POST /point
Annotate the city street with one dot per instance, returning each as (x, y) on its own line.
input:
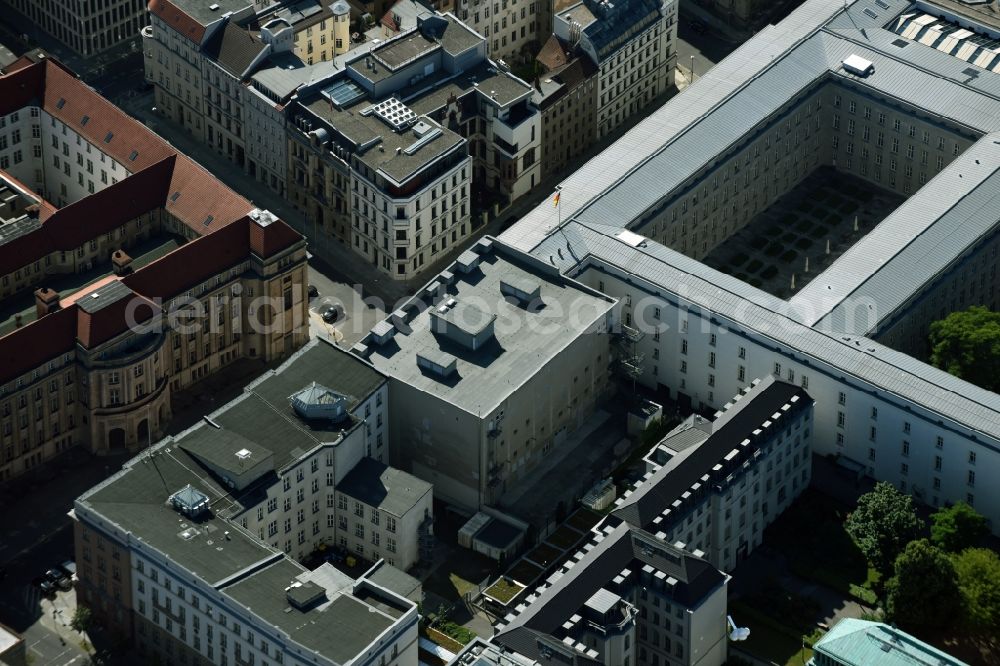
(42, 621)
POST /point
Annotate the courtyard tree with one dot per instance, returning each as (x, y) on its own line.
(81, 619)
(957, 527)
(924, 590)
(967, 344)
(882, 524)
(978, 572)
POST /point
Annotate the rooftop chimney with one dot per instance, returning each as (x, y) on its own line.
(46, 301)
(122, 262)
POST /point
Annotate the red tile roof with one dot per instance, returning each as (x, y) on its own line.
(40, 341)
(173, 16)
(202, 195)
(95, 328)
(161, 179)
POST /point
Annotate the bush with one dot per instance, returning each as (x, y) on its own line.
(81, 619)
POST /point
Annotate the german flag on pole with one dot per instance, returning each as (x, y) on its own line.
(555, 199)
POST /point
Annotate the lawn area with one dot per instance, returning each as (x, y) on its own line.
(544, 555)
(583, 519)
(525, 572)
(564, 538)
(811, 535)
(503, 591)
(769, 639)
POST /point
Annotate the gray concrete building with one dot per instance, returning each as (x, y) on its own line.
(491, 367)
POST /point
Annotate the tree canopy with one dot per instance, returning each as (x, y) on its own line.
(957, 527)
(978, 572)
(924, 590)
(882, 524)
(967, 344)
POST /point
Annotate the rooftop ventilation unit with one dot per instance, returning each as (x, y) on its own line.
(858, 66)
(523, 289)
(437, 363)
(464, 324)
(189, 501)
(303, 595)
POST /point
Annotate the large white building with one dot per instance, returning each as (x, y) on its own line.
(831, 85)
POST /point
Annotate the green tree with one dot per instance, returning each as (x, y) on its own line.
(924, 590)
(978, 571)
(967, 344)
(882, 524)
(957, 527)
(81, 619)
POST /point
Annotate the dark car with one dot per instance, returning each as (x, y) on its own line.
(331, 314)
(313, 291)
(45, 585)
(58, 578)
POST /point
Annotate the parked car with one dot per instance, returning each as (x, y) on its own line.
(58, 578)
(69, 567)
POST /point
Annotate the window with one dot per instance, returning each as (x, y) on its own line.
(842, 398)
(972, 457)
(971, 481)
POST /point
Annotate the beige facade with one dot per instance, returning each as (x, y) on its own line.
(467, 419)
(88, 28)
(514, 29)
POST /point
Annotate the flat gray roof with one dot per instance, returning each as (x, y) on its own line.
(135, 499)
(361, 130)
(524, 341)
(623, 184)
(340, 627)
(385, 488)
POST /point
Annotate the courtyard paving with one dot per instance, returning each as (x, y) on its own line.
(804, 231)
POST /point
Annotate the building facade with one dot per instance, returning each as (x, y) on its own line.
(567, 98)
(472, 366)
(258, 485)
(86, 28)
(714, 486)
(111, 354)
(391, 155)
(627, 598)
(514, 29)
(878, 410)
(633, 46)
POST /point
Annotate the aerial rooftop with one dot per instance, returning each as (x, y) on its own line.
(690, 133)
(385, 488)
(525, 338)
